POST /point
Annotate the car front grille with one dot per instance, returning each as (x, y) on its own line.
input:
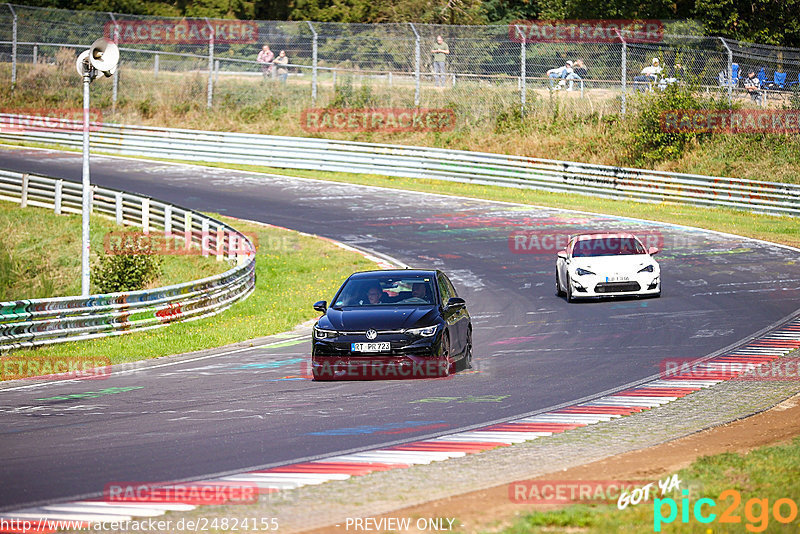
(617, 287)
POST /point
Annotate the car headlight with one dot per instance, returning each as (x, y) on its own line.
(648, 269)
(582, 272)
(428, 331)
(320, 333)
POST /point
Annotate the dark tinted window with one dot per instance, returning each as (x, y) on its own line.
(386, 290)
(607, 246)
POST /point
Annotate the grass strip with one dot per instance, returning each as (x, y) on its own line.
(40, 254)
(747, 486)
(292, 272)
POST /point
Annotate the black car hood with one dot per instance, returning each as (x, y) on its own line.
(379, 318)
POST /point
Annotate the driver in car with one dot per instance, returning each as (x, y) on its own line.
(374, 294)
(420, 291)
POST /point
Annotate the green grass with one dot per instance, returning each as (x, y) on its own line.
(40, 254)
(770, 473)
(292, 272)
(555, 126)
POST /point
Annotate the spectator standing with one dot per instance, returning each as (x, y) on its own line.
(440, 53)
(265, 57)
(282, 60)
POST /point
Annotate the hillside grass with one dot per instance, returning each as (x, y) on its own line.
(558, 125)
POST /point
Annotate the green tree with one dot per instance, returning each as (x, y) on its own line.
(759, 21)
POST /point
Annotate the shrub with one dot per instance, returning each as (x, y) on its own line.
(650, 144)
(129, 266)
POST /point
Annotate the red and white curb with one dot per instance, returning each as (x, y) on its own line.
(769, 347)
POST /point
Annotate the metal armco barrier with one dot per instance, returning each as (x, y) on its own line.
(29, 323)
(416, 162)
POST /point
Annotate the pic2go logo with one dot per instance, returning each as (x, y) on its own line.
(756, 511)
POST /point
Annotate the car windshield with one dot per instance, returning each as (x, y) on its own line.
(607, 246)
(386, 291)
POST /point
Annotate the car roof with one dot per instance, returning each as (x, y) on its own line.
(394, 272)
(601, 235)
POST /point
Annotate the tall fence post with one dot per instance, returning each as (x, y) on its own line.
(156, 61)
(730, 71)
(313, 65)
(416, 64)
(35, 54)
(13, 46)
(115, 81)
(623, 73)
(523, 73)
(210, 64)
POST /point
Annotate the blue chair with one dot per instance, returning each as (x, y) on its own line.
(723, 76)
(762, 77)
(778, 82)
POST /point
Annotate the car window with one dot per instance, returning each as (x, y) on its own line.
(607, 246)
(444, 290)
(386, 290)
(450, 286)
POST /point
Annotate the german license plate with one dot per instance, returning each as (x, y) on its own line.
(617, 278)
(383, 346)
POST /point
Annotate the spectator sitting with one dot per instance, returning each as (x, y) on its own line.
(578, 73)
(675, 74)
(648, 76)
(559, 73)
(752, 85)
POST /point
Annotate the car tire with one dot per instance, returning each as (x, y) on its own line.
(570, 298)
(447, 364)
(466, 362)
(559, 291)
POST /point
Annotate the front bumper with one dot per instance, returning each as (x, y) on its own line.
(593, 286)
(421, 358)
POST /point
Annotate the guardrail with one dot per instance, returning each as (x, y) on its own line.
(29, 323)
(415, 162)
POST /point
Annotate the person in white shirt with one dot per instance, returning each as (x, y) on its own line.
(648, 76)
(559, 73)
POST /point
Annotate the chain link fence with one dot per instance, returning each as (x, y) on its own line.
(489, 69)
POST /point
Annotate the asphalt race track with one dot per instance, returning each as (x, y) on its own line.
(252, 408)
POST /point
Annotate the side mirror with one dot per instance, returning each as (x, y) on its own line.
(653, 250)
(456, 303)
(562, 254)
(321, 306)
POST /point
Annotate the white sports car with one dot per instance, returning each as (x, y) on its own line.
(602, 265)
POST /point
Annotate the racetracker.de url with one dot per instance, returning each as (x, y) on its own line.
(200, 524)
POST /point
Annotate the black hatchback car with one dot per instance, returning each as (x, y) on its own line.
(392, 324)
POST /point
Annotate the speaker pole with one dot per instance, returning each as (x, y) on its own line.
(87, 188)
